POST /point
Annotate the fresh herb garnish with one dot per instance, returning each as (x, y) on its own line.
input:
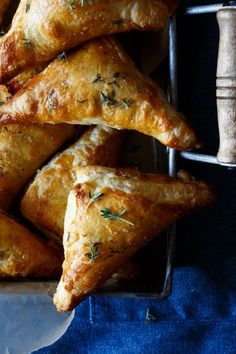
(82, 2)
(127, 103)
(114, 79)
(107, 100)
(51, 101)
(95, 197)
(107, 214)
(27, 7)
(71, 3)
(27, 43)
(149, 317)
(62, 56)
(98, 78)
(94, 250)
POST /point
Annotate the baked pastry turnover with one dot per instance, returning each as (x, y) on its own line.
(23, 254)
(128, 209)
(23, 149)
(44, 203)
(99, 84)
(43, 28)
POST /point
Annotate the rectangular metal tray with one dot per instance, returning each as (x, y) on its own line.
(156, 259)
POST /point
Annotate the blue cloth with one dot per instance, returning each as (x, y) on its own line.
(200, 315)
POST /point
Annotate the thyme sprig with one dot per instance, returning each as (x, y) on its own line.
(82, 2)
(62, 56)
(107, 100)
(27, 7)
(71, 3)
(149, 317)
(27, 43)
(114, 79)
(98, 78)
(94, 250)
(127, 103)
(51, 101)
(93, 198)
(107, 214)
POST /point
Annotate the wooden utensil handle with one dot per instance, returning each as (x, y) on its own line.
(226, 85)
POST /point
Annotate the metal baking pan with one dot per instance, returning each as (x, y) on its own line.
(156, 259)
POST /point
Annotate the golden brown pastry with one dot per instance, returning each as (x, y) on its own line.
(23, 149)
(99, 84)
(44, 203)
(3, 6)
(21, 79)
(23, 254)
(132, 208)
(41, 29)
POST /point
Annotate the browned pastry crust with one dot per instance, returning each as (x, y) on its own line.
(3, 6)
(96, 246)
(21, 79)
(44, 203)
(23, 254)
(23, 149)
(99, 84)
(43, 28)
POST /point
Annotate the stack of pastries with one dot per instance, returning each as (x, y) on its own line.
(62, 67)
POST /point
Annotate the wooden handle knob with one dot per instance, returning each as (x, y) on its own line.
(226, 85)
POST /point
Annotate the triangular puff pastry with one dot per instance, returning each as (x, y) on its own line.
(23, 254)
(99, 84)
(23, 149)
(44, 203)
(130, 209)
(42, 28)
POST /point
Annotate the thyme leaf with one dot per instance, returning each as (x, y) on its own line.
(71, 3)
(82, 2)
(127, 103)
(95, 197)
(114, 79)
(98, 78)
(107, 100)
(107, 214)
(94, 251)
(62, 56)
(149, 317)
(27, 7)
(27, 43)
(51, 101)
